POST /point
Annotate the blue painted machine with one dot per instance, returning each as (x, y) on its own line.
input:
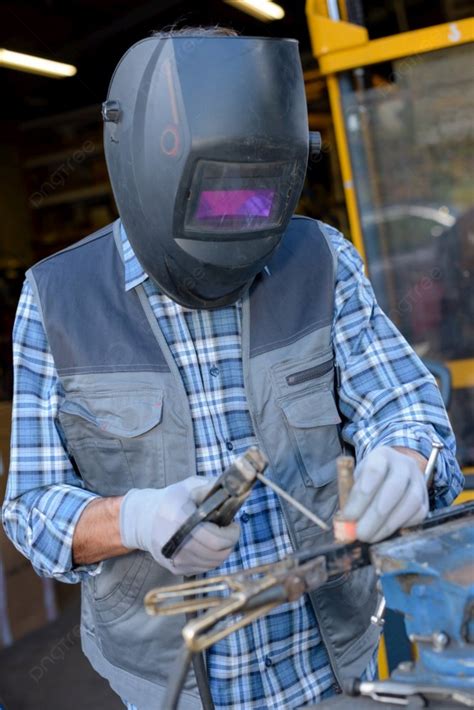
(428, 576)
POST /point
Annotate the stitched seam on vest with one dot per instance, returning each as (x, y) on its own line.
(104, 232)
(288, 341)
(90, 369)
(118, 239)
(335, 256)
(326, 320)
(43, 276)
(34, 287)
(369, 634)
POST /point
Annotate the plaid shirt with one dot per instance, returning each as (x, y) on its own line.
(385, 396)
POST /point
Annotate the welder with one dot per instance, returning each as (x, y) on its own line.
(205, 320)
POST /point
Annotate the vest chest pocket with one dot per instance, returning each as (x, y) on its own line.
(312, 420)
(115, 439)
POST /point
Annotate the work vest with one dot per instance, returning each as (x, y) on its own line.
(127, 424)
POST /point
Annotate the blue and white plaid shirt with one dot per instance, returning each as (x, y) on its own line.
(385, 396)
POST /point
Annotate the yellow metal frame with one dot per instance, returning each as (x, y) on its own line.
(345, 164)
(330, 38)
(341, 46)
(382, 660)
(462, 373)
(465, 496)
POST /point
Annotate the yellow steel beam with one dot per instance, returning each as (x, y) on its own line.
(462, 373)
(340, 46)
(343, 10)
(464, 497)
(383, 669)
(345, 163)
(328, 36)
(319, 7)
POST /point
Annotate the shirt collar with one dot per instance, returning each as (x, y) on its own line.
(134, 273)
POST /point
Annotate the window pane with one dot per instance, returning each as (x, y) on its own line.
(411, 133)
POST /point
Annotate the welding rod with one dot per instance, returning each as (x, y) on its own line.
(289, 499)
(431, 465)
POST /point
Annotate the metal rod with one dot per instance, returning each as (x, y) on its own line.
(333, 10)
(377, 618)
(431, 465)
(385, 691)
(345, 478)
(177, 678)
(204, 588)
(296, 504)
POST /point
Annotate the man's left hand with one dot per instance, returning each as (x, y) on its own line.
(389, 493)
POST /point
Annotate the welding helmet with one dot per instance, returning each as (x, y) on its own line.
(206, 143)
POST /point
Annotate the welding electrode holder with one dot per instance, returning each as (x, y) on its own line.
(224, 499)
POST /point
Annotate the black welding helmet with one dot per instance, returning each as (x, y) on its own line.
(206, 142)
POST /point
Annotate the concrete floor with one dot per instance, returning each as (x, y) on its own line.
(46, 670)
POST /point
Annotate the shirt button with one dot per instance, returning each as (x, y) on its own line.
(268, 662)
(229, 445)
(245, 517)
(214, 371)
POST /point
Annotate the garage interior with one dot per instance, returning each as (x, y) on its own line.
(55, 191)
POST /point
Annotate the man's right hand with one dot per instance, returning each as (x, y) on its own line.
(149, 517)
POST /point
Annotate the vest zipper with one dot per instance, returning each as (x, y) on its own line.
(310, 373)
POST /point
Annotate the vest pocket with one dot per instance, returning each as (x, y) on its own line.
(143, 645)
(119, 585)
(115, 440)
(312, 420)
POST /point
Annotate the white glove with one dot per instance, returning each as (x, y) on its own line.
(149, 517)
(389, 493)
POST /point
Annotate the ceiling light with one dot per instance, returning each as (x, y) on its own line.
(261, 9)
(35, 65)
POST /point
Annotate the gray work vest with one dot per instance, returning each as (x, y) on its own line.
(126, 423)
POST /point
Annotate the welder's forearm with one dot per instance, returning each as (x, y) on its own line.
(97, 532)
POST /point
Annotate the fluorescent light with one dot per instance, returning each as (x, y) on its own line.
(35, 65)
(261, 9)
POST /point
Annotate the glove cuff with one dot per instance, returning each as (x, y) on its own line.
(137, 512)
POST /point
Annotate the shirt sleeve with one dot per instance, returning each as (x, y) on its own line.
(45, 496)
(386, 394)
